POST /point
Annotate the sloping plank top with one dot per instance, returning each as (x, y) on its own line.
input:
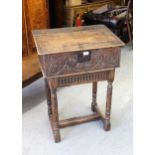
(51, 41)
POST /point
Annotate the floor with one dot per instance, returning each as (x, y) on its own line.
(83, 139)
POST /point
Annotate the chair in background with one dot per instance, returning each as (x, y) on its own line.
(117, 18)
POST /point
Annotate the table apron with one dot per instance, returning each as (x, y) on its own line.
(81, 79)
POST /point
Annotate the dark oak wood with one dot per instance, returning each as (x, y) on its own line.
(94, 92)
(55, 117)
(68, 63)
(107, 124)
(78, 120)
(82, 78)
(48, 96)
(71, 56)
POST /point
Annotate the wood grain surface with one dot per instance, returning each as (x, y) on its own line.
(77, 55)
(51, 41)
(68, 63)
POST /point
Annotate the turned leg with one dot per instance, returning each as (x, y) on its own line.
(94, 96)
(48, 96)
(108, 107)
(55, 116)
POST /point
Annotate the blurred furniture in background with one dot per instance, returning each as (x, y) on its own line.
(71, 12)
(35, 15)
(56, 11)
(73, 2)
(117, 18)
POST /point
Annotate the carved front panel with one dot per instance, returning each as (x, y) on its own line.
(83, 78)
(68, 63)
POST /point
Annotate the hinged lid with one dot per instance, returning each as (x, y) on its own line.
(52, 41)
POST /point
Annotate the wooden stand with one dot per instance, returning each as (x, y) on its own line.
(51, 87)
(77, 55)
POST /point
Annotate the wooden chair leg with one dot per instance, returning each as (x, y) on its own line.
(94, 96)
(107, 124)
(48, 96)
(55, 116)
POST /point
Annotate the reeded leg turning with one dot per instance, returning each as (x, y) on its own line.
(107, 124)
(55, 116)
(94, 96)
(48, 96)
